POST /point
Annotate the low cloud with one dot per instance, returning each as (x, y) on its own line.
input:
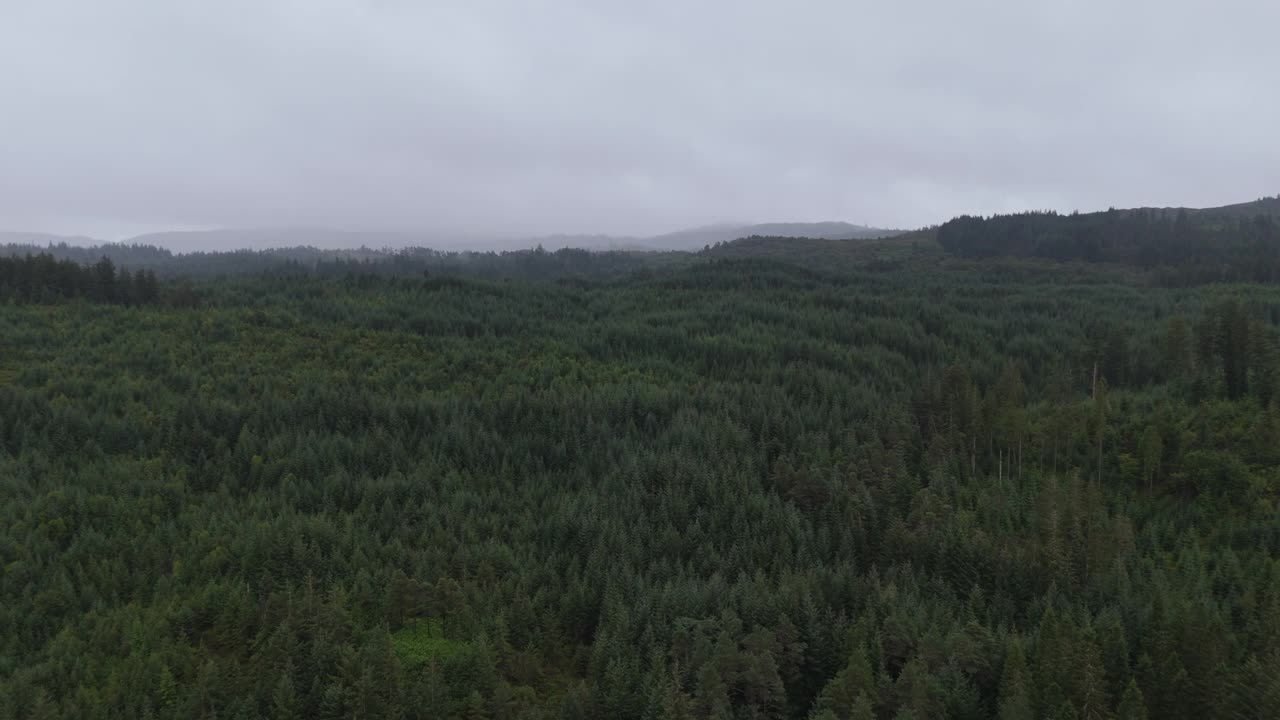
(630, 118)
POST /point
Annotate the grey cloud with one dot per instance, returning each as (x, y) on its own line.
(524, 117)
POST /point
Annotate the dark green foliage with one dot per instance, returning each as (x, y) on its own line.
(566, 264)
(1015, 686)
(44, 279)
(1132, 706)
(730, 487)
(1185, 246)
(423, 640)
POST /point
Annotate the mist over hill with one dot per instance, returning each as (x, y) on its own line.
(1145, 235)
(230, 239)
(697, 238)
(39, 239)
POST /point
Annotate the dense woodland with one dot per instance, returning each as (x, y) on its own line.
(853, 481)
(43, 278)
(535, 264)
(1188, 247)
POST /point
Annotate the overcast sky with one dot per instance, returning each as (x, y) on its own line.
(580, 116)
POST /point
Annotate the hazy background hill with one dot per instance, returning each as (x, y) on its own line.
(1267, 206)
(1262, 207)
(37, 239)
(189, 241)
(697, 238)
(1220, 244)
(231, 239)
(686, 240)
(1231, 241)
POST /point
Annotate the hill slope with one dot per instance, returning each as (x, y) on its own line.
(37, 239)
(1232, 242)
(686, 240)
(274, 238)
(697, 238)
(1267, 207)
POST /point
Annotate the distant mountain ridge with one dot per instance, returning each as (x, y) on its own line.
(189, 241)
(697, 238)
(1262, 207)
(688, 240)
(691, 239)
(1267, 206)
(46, 239)
(1231, 243)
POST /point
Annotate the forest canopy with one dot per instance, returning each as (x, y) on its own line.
(770, 480)
(1239, 243)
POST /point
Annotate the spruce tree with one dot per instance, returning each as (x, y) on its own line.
(1132, 706)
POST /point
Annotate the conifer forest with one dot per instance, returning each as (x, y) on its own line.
(1015, 467)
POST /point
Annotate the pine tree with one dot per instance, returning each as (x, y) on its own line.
(712, 699)
(284, 699)
(1179, 359)
(146, 290)
(1010, 418)
(577, 703)
(676, 704)
(476, 707)
(1150, 450)
(333, 704)
(919, 691)
(1115, 652)
(1100, 408)
(1233, 346)
(168, 691)
(431, 695)
(1132, 706)
(1090, 686)
(862, 709)
(1264, 361)
(124, 287)
(855, 680)
(104, 280)
(1065, 711)
(1015, 695)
